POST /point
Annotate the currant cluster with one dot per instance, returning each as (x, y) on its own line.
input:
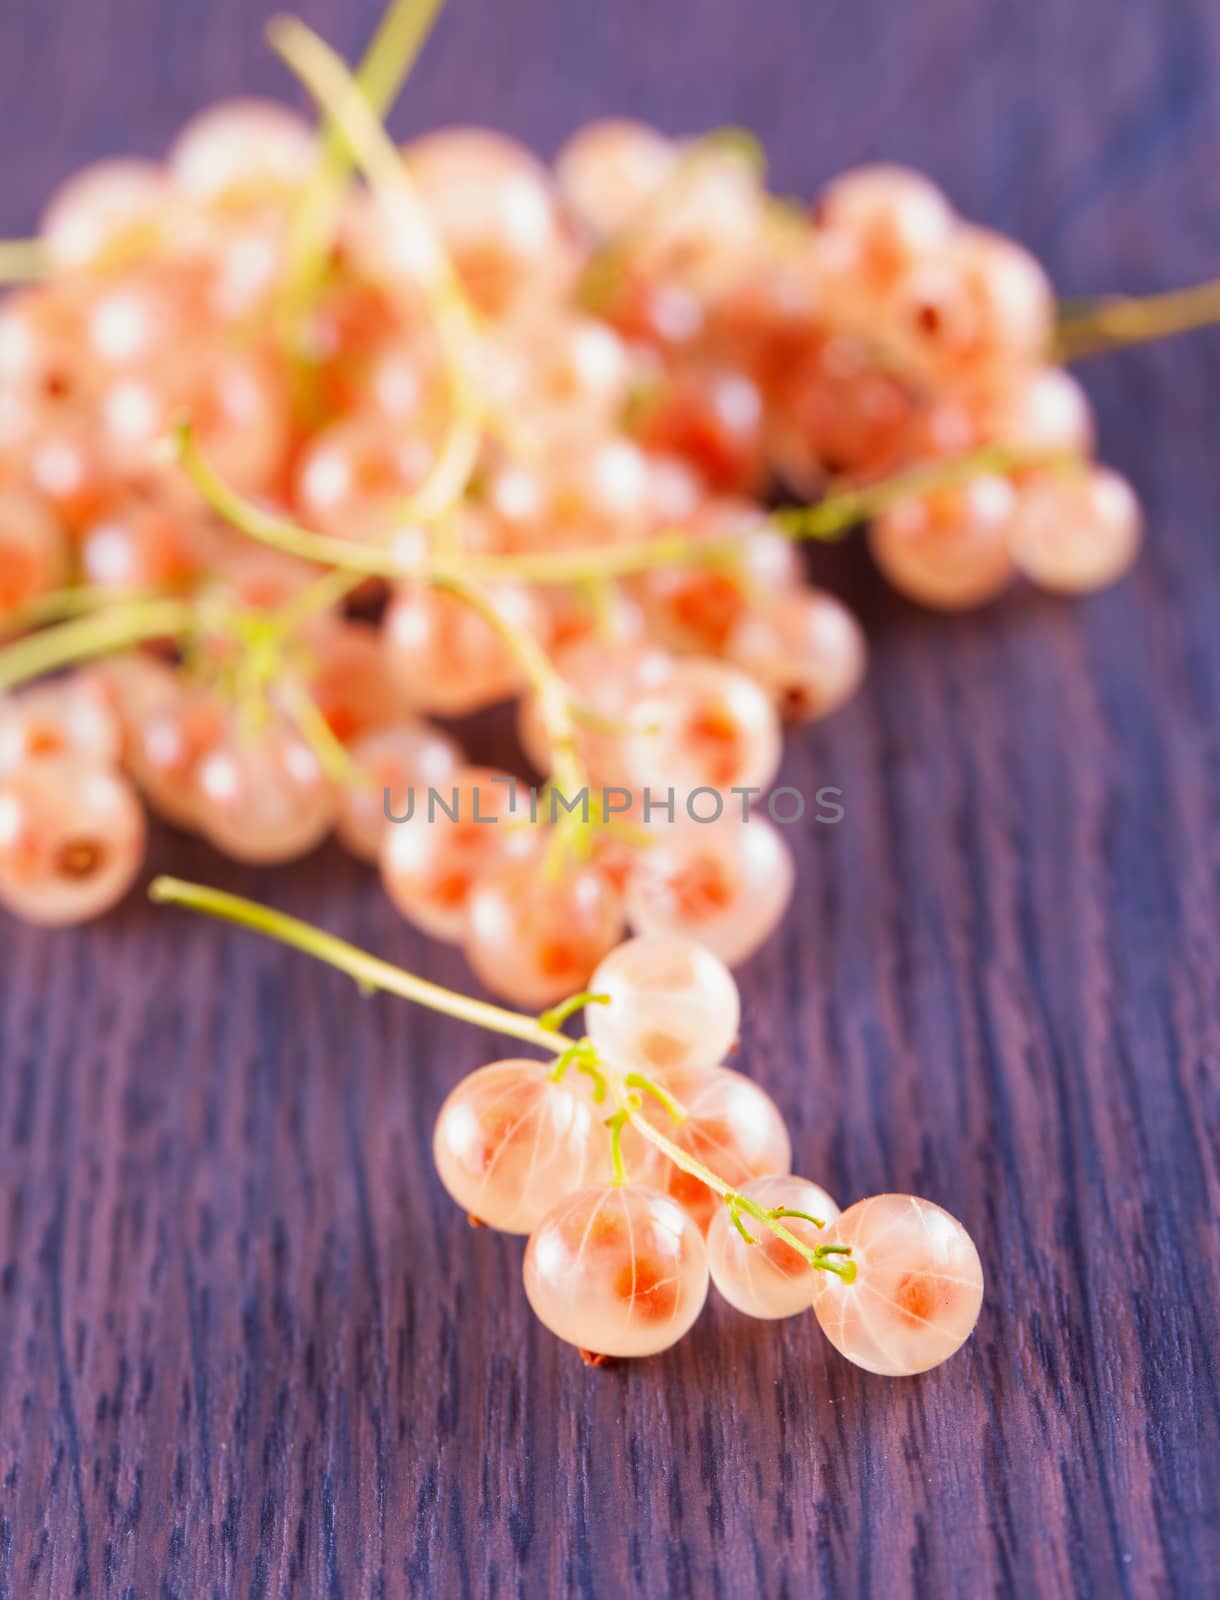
(292, 466)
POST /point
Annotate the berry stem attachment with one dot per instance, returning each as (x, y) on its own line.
(616, 1124)
(735, 1219)
(559, 1014)
(637, 1080)
(370, 973)
(86, 637)
(1130, 320)
(787, 1211)
(582, 1056)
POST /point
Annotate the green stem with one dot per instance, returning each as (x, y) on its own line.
(385, 67)
(787, 1211)
(637, 1080)
(1129, 321)
(77, 600)
(839, 513)
(326, 76)
(86, 637)
(370, 973)
(583, 1057)
(558, 1015)
(616, 1123)
(22, 261)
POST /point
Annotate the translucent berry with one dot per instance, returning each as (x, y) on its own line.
(263, 798)
(707, 726)
(979, 300)
(33, 551)
(72, 839)
(351, 685)
(805, 649)
(731, 1126)
(694, 609)
(443, 840)
(617, 1271)
(388, 763)
(712, 417)
(949, 550)
(534, 935)
(886, 217)
(1077, 533)
(444, 657)
(607, 170)
(672, 1004)
(841, 414)
(917, 1289)
(510, 1143)
(769, 1278)
(166, 745)
(108, 212)
(725, 884)
(354, 477)
(491, 202)
(71, 717)
(142, 545)
(243, 151)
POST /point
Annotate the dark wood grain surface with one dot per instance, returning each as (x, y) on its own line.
(248, 1347)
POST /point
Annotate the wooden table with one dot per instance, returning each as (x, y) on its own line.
(248, 1347)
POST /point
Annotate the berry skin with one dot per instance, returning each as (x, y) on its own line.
(243, 152)
(510, 1143)
(532, 937)
(731, 1126)
(725, 884)
(432, 858)
(713, 418)
(109, 212)
(265, 799)
(444, 657)
(949, 551)
(351, 685)
(883, 218)
(1075, 534)
(917, 1291)
(409, 753)
(806, 650)
(492, 205)
(976, 304)
(769, 1278)
(72, 839)
(707, 726)
(672, 1004)
(607, 169)
(33, 551)
(619, 1271)
(354, 476)
(693, 610)
(166, 746)
(73, 717)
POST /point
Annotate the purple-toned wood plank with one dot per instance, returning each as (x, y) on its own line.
(246, 1344)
